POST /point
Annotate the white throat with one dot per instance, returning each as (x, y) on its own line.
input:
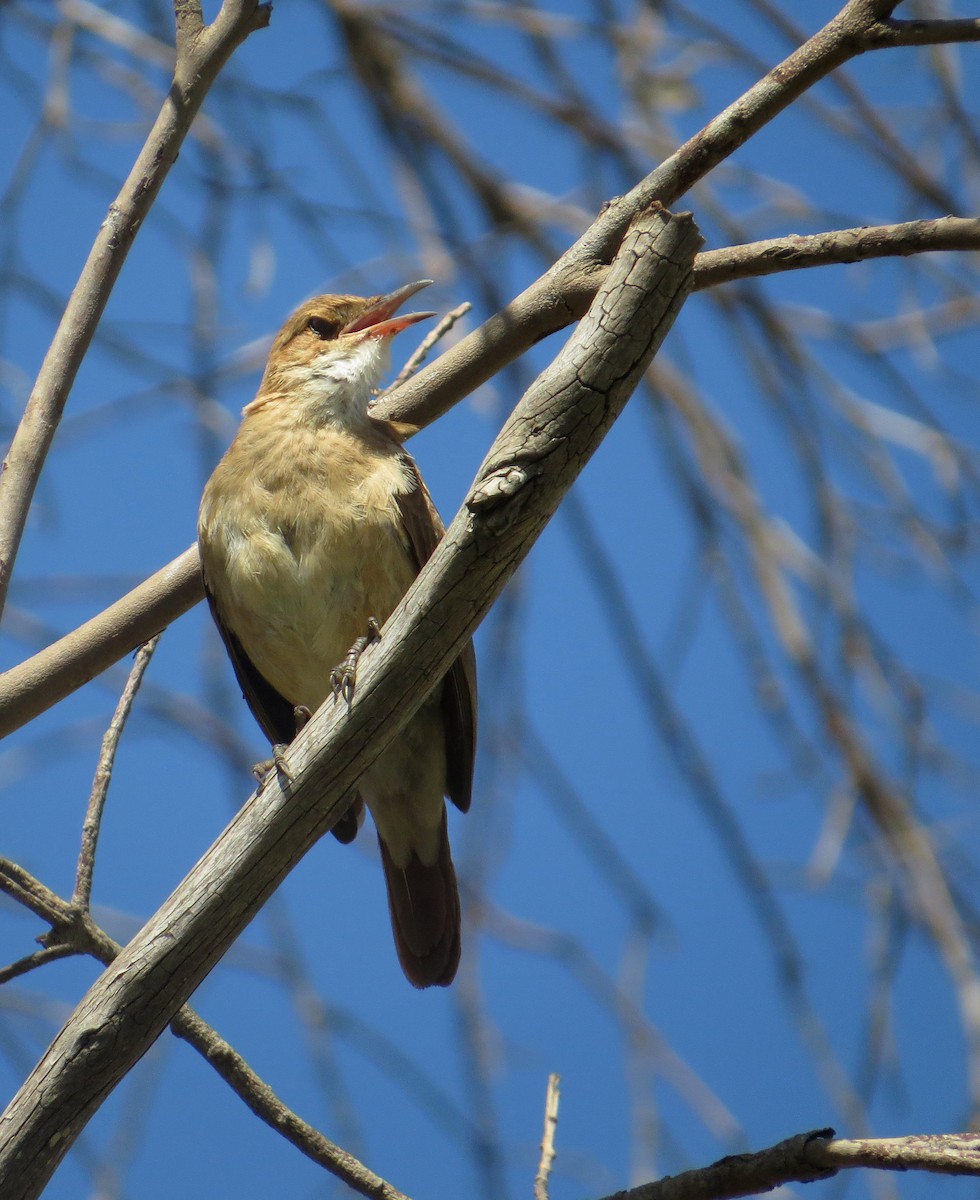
(337, 387)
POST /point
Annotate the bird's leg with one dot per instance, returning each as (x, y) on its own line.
(262, 770)
(343, 676)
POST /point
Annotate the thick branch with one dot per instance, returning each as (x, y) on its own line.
(74, 932)
(202, 52)
(58, 670)
(811, 1156)
(541, 450)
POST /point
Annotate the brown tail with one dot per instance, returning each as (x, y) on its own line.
(424, 906)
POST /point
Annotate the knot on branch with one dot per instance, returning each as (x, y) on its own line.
(493, 498)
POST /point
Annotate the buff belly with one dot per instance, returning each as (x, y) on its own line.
(297, 611)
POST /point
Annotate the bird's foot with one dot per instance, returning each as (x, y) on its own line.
(344, 675)
(262, 770)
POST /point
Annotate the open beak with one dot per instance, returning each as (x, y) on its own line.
(378, 320)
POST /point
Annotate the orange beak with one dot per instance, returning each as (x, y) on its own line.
(378, 320)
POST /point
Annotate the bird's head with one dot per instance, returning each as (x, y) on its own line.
(332, 352)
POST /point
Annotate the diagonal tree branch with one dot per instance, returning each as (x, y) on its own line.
(36, 684)
(74, 932)
(794, 252)
(537, 456)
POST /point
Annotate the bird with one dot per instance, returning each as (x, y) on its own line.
(311, 529)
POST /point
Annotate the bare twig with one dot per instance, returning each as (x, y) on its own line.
(547, 1161)
(20, 885)
(266, 1105)
(30, 962)
(103, 774)
(431, 338)
(201, 53)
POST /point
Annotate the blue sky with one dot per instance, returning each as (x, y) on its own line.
(396, 1076)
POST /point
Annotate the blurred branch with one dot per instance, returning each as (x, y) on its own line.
(202, 50)
(533, 462)
(931, 900)
(569, 952)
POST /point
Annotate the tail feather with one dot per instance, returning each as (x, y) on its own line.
(424, 906)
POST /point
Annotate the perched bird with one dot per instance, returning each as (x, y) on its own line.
(312, 528)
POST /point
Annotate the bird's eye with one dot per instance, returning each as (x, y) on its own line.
(323, 328)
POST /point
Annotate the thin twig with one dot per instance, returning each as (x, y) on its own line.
(427, 343)
(81, 899)
(20, 885)
(547, 1161)
(266, 1105)
(30, 962)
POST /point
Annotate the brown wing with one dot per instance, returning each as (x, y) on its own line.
(272, 710)
(424, 528)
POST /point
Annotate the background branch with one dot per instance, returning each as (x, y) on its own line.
(202, 52)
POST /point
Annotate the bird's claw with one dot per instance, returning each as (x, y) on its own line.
(344, 675)
(262, 770)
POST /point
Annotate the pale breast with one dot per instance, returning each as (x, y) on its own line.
(300, 558)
